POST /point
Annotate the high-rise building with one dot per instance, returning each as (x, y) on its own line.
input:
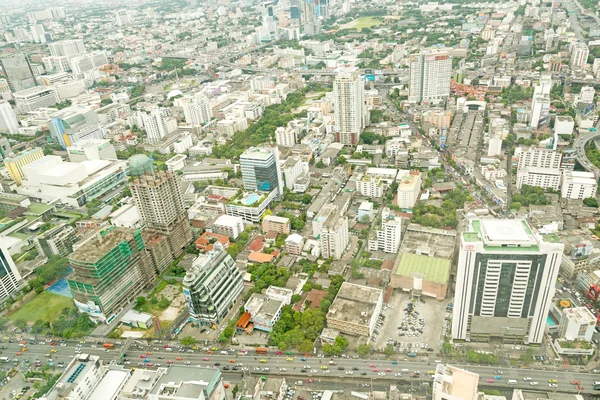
(31, 99)
(540, 111)
(211, 287)
(159, 199)
(18, 72)
(10, 279)
(74, 124)
(261, 170)
(579, 56)
(505, 281)
(58, 240)
(539, 167)
(286, 136)
(16, 163)
(333, 236)
(155, 126)
(109, 271)
(68, 48)
(586, 95)
(430, 74)
(197, 110)
(409, 189)
(8, 119)
(350, 109)
(578, 185)
(388, 237)
(452, 383)
(38, 33)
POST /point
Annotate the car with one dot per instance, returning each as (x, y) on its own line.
(205, 358)
(575, 383)
(533, 383)
(263, 361)
(374, 370)
(169, 361)
(217, 364)
(232, 361)
(552, 385)
(579, 387)
(303, 370)
(354, 368)
(388, 370)
(53, 351)
(381, 374)
(324, 367)
(372, 365)
(349, 373)
(309, 380)
(282, 369)
(498, 377)
(289, 359)
(527, 379)
(552, 381)
(187, 363)
(490, 380)
(398, 374)
(226, 368)
(179, 358)
(363, 373)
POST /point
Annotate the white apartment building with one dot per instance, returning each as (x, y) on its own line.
(67, 48)
(388, 237)
(576, 324)
(430, 74)
(540, 111)
(409, 189)
(88, 62)
(294, 244)
(332, 230)
(505, 281)
(8, 119)
(452, 383)
(10, 279)
(578, 185)
(197, 110)
(579, 56)
(92, 149)
(586, 95)
(228, 225)
(36, 97)
(56, 63)
(292, 169)
(79, 379)
(155, 126)
(286, 136)
(370, 186)
(564, 125)
(539, 167)
(350, 109)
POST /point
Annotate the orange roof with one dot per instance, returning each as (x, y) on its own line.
(257, 244)
(204, 241)
(256, 256)
(244, 320)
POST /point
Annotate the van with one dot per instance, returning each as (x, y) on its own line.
(224, 353)
(512, 382)
(168, 349)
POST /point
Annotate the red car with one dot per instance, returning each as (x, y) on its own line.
(205, 359)
(38, 364)
(148, 364)
(372, 365)
(374, 370)
(52, 343)
(279, 353)
(142, 356)
(388, 370)
(415, 375)
(490, 380)
(310, 380)
(166, 346)
(575, 383)
(169, 361)
(579, 387)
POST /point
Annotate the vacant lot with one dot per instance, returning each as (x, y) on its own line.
(361, 23)
(45, 306)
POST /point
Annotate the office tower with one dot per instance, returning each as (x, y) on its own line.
(18, 72)
(430, 74)
(109, 272)
(74, 124)
(579, 56)
(578, 185)
(67, 48)
(92, 149)
(197, 110)
(159, 198)
(505, 281)
(16, 163)
(539, 167)
(261, 170)
(350, 109)
(10, 278)
(388, 237)
(540, 111)
(8, 119)
(38, 33)
(154, 125)
(409, 189)
(211, 287)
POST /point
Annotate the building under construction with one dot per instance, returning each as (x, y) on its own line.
(109, 271)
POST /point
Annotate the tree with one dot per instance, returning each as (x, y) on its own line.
(235, 391)
(21, 324)
(320, 164)
(591, 202)
(140, 301)
(306, 199)
(364, 219)
(389, 350)
(188, 341)
(515, 205)
(363, 349)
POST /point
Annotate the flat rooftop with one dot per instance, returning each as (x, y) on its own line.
(189, 382)
(459, 383)
(359, 293)
(98, 247)
(432, 241)
(435, 269)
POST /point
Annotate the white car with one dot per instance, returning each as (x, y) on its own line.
(266, 369)
(282, 369)
(349, 373)
(527, 379)
(314, 371)
(381, 374)
(553, 385)
(397, 374)
(533, 383)
(365, 385)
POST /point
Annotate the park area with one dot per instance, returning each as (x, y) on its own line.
(361, 23)
(45, 306)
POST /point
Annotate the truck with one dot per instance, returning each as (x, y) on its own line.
(108, 346)
(261, 350)
(411, 354)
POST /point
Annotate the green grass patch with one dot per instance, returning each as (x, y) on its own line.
(362, 22)
(45, 306)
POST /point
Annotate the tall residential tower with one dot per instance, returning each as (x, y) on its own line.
(350, 110)
(261, 170)
(430, 74)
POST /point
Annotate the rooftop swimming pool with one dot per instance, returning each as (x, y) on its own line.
(250, 199)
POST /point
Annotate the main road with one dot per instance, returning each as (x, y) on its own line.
(351, 370)
(579, 146)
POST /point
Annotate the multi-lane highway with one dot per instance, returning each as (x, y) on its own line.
(352, 370)
(579, 146)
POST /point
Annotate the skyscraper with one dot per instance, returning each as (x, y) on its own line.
(261, 170)
(212, 285)
(350, 109)
(197, 110)
(579, 56)
(430, 74)
(10, 279)
(109, 272)
(505, 281)
(8, 119)
(67, 48)
(18, 72)
(154, 125)
(159, 198)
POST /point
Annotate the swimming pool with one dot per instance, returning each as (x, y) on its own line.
(250, 199)
(61, 287)
(550, 322)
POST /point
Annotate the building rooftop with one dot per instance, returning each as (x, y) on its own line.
(435, 269)
(182, 382)
(430, 241)
(359, 293)
(109, 385)
(99, 246)
(459, 383)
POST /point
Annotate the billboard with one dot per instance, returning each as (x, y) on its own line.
(593, 292)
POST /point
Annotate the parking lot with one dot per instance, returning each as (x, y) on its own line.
(421, 329)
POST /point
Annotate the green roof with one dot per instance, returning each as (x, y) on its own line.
(550, 238)
(470, 237)
(476, 237)
(435, 269)
(39, 208)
